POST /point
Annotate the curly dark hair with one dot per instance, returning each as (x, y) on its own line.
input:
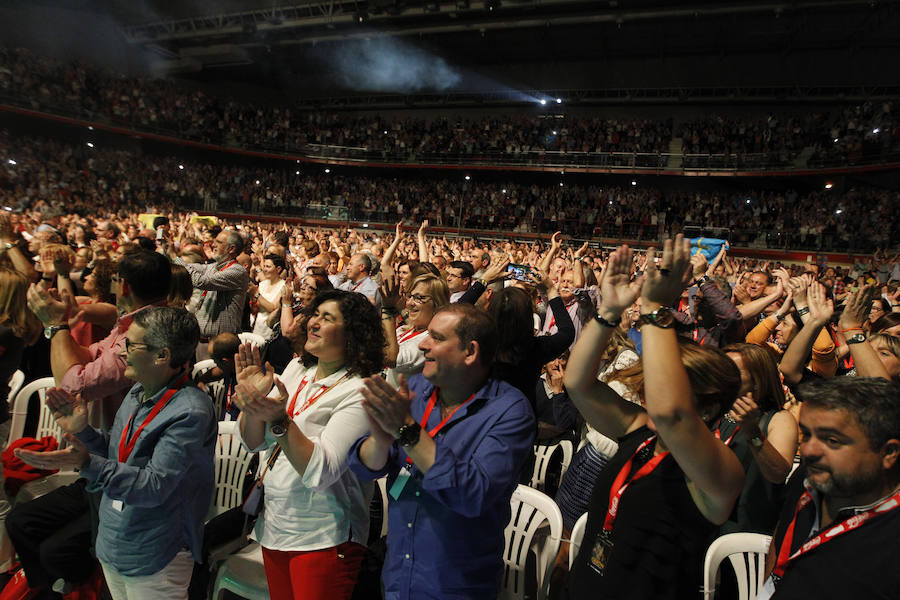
(363, 336)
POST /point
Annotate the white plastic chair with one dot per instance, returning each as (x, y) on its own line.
(243, 573)
(577, 537)
(532, 511)
(15, 384)
(543, 455)
(214, 389)
(232, 461)
(19, 412)
(747, 553)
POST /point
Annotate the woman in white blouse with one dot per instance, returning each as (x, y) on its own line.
(316, 516)
(268, 294)
(426, 295)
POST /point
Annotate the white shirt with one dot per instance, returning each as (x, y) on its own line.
(272, 293)
(410, 360)
(326, 505)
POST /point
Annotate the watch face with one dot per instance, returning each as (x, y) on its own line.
(856, 339)
(664, 317)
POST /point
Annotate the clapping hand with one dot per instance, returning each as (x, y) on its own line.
(386, 407)
(68, 411)
(250, 371)
(75, 456)
(259, 405)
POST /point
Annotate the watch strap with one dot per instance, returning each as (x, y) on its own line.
(408, 434)
(611, 324)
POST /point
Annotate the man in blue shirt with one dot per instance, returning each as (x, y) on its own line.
(154, 467)
(452, 444)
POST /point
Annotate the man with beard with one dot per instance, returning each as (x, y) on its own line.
(838, 532)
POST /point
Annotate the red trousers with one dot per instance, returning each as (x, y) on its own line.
(328, 574)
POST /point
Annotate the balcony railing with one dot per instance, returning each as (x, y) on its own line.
(534, 160)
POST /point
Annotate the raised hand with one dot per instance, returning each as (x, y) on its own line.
(48, 309)
(800, 285)
(497, 271)
(699, 266)
(665, 283)
(857, 307)
(745, 412)
(617, 290)
(391, 292)
(821, 307)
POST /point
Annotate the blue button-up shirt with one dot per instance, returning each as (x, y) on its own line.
(154, 504)
(445, 530)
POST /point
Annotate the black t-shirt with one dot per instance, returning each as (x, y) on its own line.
(658, 540)
(862, 563)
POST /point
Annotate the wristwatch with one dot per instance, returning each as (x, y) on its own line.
(856, 338)
(703, 279)
(408, 434)
(662, 317)
(280, 427)
(611, 324)
(50, 330)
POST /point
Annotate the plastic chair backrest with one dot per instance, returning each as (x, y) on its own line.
(15, 384)
(543, 455)
(532, 512)
(232, 461)
(19, 412)
(577, 537)
(747, 553)
(215, 389)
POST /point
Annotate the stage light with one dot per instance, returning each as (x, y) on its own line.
(468, 178)
(297, 173)
(90, 144)
(327, 171)
(633, 182)
(560, 184)
(838, 211)
(12, 162)
(543, 101)
(257, 182)
(876, 130)
(559, 100)
(181, 167)
(554, 133)
(504, 190)
(835, 140)
(829, 185)
(90, 128)
(366, 225)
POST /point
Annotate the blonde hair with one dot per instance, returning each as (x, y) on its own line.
(437, 289)
(13, 307)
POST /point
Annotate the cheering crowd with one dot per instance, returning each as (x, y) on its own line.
(837, 136)
(61, 177)
(706, 393)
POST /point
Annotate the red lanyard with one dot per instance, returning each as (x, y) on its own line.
(126, 444)
(356, 287)
(696, 334)
(429, 408)
(309, 401)
(854, 522)
(410, 335)
(625, 478)
(203, 295)
(727, 442)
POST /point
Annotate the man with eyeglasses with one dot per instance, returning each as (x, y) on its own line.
(52, 534)
(154, 469)
(459, 278)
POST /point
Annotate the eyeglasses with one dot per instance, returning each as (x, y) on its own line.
(419, 298)
(129, 345)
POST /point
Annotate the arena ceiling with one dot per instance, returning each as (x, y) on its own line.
(286, 44)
